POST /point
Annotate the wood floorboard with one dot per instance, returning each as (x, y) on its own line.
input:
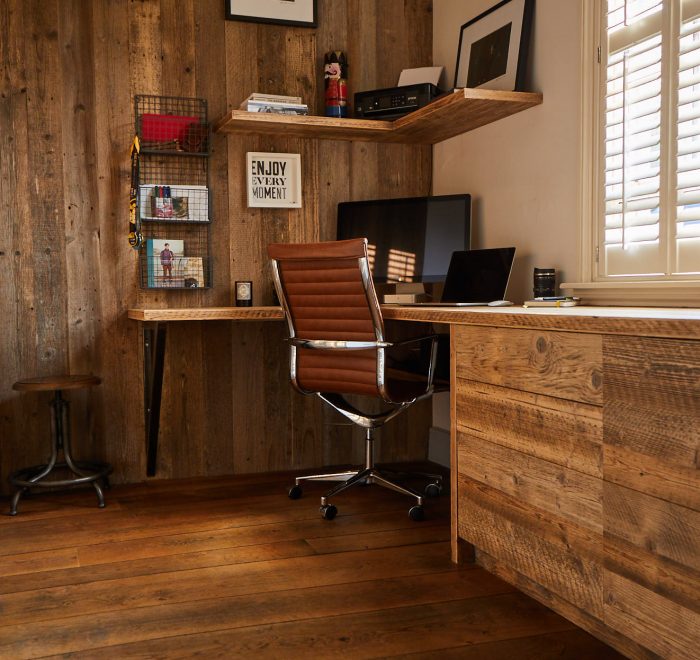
(141, 590)
(360, 635)
(231, 567)
(241, 612)
(352, 532)
(181, 515)
(570, 644)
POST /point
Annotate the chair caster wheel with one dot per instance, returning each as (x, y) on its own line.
(294, 492)
(416, 513)
(328, 511)
(433, 490)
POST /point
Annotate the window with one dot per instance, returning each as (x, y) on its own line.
(645, 135)
(630, 240)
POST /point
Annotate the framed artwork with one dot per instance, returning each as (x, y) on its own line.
(274, 180)
(492, 51)
(282, 12)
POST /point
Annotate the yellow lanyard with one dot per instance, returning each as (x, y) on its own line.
(135, 237)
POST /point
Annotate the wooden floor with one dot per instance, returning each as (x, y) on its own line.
(231, 568)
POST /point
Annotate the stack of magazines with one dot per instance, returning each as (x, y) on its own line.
(282, 105)
(553, 301)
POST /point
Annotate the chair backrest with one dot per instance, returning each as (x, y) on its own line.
(327, 293)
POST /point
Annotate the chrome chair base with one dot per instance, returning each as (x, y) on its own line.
(370, 474)
(333, 476)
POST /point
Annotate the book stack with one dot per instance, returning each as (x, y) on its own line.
(276, 104)
(167, 202)
(553, 301)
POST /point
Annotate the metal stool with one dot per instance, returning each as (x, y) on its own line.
(85, 472)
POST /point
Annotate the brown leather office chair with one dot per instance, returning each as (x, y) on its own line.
(338, 347)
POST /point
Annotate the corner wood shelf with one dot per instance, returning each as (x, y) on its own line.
(447, 116)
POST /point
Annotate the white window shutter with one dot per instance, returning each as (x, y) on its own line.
(687, 226)
(630, 233)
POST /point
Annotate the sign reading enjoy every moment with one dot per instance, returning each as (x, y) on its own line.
(274, 180)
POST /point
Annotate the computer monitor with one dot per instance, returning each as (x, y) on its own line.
(410, 239)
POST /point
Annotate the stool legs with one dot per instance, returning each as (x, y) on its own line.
(85, 472)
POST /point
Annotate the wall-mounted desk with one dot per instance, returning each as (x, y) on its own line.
(154, 338)
(208, 314)
(575, 457)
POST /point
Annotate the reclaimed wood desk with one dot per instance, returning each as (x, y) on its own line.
(575, 463)
(575, 448)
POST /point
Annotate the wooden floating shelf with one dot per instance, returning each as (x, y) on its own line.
(450, 115)
(303, 126)
(460, 112)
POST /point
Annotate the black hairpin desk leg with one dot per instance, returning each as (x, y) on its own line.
(153, 362)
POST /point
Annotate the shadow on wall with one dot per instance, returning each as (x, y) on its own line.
(24, 426)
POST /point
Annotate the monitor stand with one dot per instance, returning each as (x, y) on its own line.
(409, 287)
(405, 292)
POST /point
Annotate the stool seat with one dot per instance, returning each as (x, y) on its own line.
(50, 383)
(94, 473)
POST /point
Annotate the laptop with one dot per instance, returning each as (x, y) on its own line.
(475, 277)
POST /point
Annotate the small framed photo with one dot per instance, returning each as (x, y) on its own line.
(492, 52)
(274, 180)
(283, 12)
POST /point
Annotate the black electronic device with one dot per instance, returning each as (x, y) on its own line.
(410, 239)
(477, 278)
(394, 102)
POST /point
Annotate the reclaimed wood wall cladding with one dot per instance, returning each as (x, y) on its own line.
(578, 480)
(67, 275)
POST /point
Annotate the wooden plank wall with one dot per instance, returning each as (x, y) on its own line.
(70, 70)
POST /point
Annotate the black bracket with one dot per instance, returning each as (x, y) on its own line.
(153, 364)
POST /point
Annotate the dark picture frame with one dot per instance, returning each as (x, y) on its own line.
(493, 47)
(301, 13)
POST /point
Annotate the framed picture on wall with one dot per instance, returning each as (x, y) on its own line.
(274, 180)
(492, 51)
(283, 12)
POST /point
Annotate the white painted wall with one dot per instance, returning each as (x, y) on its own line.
(523, 172)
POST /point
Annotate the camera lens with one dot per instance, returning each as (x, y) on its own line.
(543, 282)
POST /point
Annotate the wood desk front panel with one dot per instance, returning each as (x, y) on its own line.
(577, 475)
(651, 515)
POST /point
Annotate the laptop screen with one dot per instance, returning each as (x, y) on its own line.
(478, 276)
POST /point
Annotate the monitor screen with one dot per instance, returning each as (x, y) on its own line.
(410, 239)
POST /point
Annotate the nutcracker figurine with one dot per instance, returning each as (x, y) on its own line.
(335, 72)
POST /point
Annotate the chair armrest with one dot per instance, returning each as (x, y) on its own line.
(414, 357)
(415, 340)
(331, 344)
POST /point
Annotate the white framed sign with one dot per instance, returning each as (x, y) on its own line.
(274, 180)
